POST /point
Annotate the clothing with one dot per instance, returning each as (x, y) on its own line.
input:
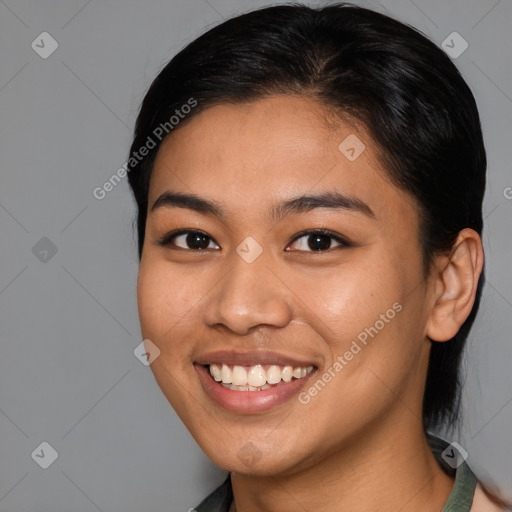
(460, 498)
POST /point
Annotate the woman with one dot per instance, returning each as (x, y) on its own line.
(309, 185)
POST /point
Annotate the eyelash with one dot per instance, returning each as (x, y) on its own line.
(167, 239)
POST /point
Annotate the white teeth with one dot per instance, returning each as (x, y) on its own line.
(273, 374)
(255, 378)
(239, 376)
(286, 374)
(226, 374)
(215, 372)
(245, 388)
(297, 372)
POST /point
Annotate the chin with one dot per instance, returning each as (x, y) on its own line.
(255, 458)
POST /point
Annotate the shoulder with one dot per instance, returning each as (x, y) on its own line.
(219, 500)
(483, 503)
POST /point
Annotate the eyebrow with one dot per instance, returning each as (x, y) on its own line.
(300, 204)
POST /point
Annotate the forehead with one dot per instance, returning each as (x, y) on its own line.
(260, 152)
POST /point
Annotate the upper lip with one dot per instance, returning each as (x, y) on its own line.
(248, 358)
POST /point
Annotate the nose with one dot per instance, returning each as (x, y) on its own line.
(250, 296)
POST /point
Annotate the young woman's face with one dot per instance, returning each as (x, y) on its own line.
(249, 290)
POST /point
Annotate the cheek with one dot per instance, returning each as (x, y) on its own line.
(162, 312)
(151, 299)
(352, 298)
(164, 297)
(372, 326)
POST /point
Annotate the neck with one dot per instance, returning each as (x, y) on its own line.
(390, 469)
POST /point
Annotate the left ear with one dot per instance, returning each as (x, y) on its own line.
(455, 286)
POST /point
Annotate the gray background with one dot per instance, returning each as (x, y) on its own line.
(69, 325)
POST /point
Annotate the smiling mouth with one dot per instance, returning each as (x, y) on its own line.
(255, 378)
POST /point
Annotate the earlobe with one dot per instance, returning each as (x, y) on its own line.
(455, 287)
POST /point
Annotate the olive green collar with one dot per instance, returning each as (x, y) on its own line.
(461, 497)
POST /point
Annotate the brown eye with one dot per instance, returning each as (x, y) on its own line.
(318, 240)
(188, 240)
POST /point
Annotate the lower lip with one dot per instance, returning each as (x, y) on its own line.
(249, 402)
